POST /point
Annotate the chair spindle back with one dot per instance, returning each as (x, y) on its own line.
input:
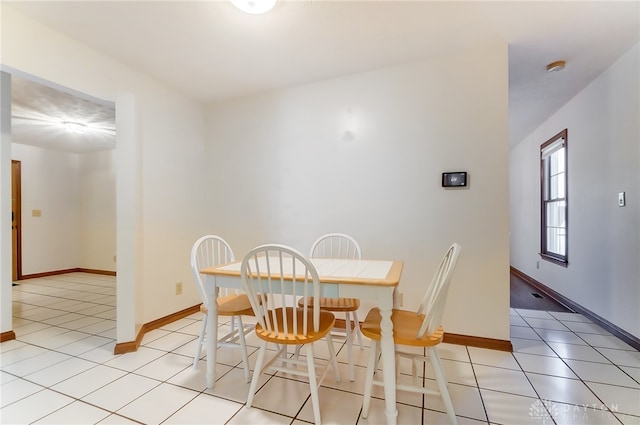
(336, 245)
(208, 251)
(435, 297)
(275, 276)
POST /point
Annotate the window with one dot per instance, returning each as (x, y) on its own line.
(553, 178)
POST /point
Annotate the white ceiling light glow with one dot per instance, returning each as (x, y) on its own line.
(74, 127)
(254, 7)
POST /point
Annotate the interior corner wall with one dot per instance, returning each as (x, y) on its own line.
(603, 274)
(161, 154)
(364, 154)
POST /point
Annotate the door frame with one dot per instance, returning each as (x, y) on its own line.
(16, 208)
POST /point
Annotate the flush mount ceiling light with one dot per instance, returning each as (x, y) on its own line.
(254, 7)
(74, 127)
(556, 66)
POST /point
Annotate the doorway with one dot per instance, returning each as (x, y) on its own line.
(16, 220)
(62, 148)
(63, 173)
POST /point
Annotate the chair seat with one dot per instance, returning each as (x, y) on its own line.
(405, 328)
(232, 305)
(326, 323)
(335, 304)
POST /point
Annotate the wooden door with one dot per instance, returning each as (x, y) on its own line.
(16, 220)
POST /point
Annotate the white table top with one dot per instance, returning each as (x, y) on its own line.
(330, 270)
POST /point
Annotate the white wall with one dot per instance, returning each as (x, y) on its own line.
(603, 275)
(50, 184)
(159, 159)
(273, 153)
(173, 194)
(76, 196)
(281, 171)
(97, 188)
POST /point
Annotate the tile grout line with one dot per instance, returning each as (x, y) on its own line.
(602, 403)
(235, 367)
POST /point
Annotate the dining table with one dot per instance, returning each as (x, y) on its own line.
(374, 280)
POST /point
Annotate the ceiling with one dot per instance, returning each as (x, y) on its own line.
(54, 119)
(211, 52)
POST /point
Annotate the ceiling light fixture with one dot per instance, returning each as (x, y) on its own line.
(74, 127)
(556, 66)
(254, 7)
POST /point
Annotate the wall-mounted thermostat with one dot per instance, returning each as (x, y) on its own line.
(454, 179)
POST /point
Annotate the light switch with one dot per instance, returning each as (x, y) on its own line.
(36, 213)
(621, 200)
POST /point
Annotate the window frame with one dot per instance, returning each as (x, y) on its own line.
(562, 260)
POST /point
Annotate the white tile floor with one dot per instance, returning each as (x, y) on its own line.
(61, 370)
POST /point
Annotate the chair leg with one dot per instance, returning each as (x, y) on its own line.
(296, 353)
(334, 358)
(232, 324)
(256, 373)
(357, 328)
(414, 371)
(349, 346)
(203, 328)
(313, 383)
(377, 358)
(243, 348)
(442, 384)
(368, 382)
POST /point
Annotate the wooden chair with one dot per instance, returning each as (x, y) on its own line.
(279, 274)
(421, 328)
(209, 251)
(339, 245)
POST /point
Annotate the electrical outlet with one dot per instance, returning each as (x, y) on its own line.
(179, 288)
(400, 299)
(621, 199)
(114, 258)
